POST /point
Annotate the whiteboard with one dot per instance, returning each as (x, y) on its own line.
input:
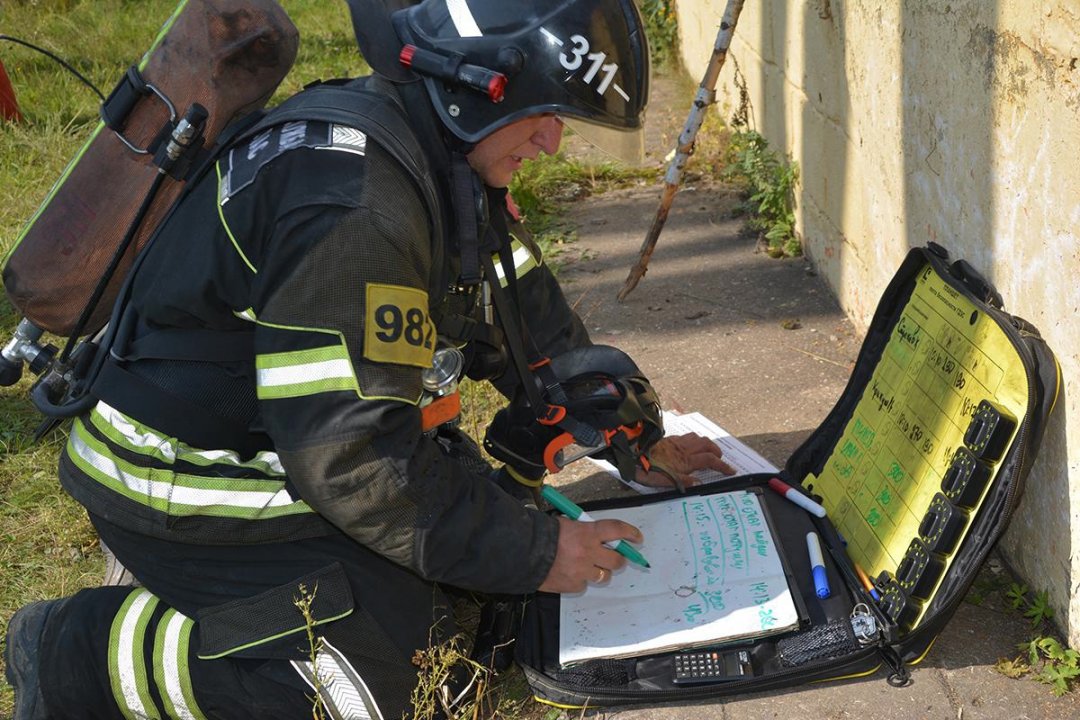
(715, 576)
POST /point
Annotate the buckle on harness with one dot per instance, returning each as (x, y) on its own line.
(553, 415)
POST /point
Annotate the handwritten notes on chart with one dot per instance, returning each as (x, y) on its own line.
(716, 576)
(944, 357)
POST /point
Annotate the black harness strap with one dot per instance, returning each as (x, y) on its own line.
(509, 318)
(516, 336)
(465, 198)
(197, 345)
(542, 370)
(123, 98)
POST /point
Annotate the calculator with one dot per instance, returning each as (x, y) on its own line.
(706, 666)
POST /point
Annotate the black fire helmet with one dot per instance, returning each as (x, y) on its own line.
(586, 61)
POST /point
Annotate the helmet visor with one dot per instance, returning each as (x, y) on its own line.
(627, 145)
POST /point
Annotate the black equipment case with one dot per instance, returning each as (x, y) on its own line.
(920, 466)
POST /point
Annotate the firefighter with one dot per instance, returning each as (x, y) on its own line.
(261, 436)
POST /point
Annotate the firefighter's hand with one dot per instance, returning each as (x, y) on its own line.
(681, 455)
(582, 558)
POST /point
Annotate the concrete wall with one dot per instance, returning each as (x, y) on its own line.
(958, 122)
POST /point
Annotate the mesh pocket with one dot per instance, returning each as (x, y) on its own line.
(598, 674)
(824, 641)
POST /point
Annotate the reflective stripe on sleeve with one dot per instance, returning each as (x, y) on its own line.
(304, 372)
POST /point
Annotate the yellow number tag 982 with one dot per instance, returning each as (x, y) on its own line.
(397, 328)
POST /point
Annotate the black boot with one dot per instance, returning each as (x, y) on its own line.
(22, 657)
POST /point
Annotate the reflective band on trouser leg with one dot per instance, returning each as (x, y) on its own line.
(341, 688)
(171, 644)
(127, 660)
(129, 675)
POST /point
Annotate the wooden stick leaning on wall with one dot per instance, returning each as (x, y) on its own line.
(706, 96)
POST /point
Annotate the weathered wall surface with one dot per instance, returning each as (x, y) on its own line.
(922, 120)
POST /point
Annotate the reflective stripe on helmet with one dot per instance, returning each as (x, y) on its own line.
(463, 18)
(586, 59)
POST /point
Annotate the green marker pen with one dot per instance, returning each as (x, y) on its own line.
(570, 509)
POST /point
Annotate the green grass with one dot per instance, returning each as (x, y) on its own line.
(101, 39)
(546, 186)
(47, 546)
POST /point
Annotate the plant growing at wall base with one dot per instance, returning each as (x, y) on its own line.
(770, 180)
(767, 177)
(662, 29)
(1052, 663)
(1059, 665)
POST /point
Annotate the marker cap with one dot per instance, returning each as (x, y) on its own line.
(821, 583)
(817, 566)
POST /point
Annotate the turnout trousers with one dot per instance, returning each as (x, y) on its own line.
(217, 632)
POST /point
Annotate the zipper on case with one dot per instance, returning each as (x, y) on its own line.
(734, 687)
(900, 675)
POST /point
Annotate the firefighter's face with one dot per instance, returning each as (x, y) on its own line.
(498, 156)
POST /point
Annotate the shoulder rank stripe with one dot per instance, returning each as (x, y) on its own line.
(242, 164)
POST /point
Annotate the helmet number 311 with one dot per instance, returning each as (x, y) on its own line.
(573, 57)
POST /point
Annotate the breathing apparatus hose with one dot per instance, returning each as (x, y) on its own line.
(58, 59)
(61, 380)
(110, 269)
(42, 393)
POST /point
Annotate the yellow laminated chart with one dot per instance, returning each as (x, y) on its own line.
(944, 357)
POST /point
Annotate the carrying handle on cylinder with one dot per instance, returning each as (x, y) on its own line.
(122, 100)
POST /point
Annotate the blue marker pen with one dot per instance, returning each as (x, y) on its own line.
(817, 566)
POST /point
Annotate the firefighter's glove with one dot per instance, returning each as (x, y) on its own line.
(516, 438)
